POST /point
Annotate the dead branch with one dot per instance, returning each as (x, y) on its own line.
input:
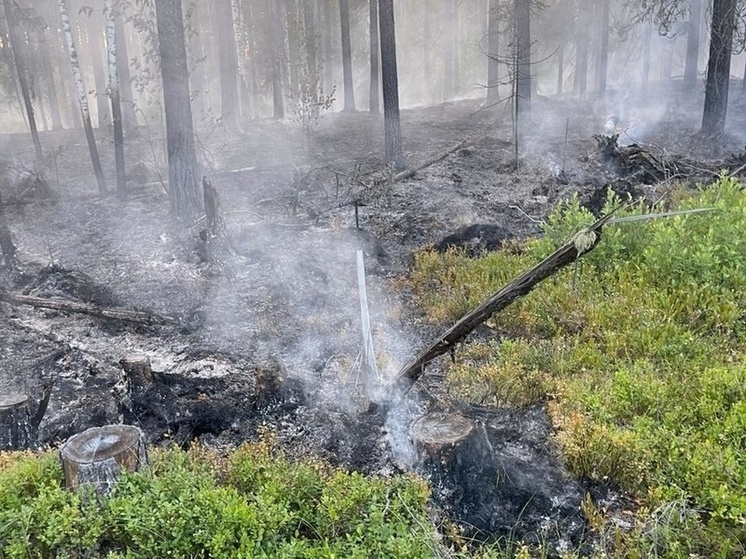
(581, 243)
(124, 315)
(408, 173)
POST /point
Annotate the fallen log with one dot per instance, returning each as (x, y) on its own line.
(583, 242)
(408, 173)
(124, 315)
(96, 457)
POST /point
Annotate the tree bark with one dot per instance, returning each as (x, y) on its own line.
(375, 54)
(113, 89)
(581, 47)
(602, 61)
(292, 28)
(183, 182)
(390, 78)
(344, 17)
(718, 67)
(523, 59)
(54, 101)
(692, 46)
(17, 49)
(309, 25)
(96, 457)
(82, 97)
(239, 37)
(493, 52)
(129, 119)
(16, 423)
(273, 30)
(7, 247)
(227, 55)
(326, 45)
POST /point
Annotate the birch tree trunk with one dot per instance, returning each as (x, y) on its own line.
(22, 69)
(82, 98)
(113, 90)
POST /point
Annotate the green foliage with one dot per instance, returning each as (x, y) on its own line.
(255, 503)
(640, 350)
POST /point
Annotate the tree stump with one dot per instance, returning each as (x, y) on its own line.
(96, 457)
(17, 431)
(455, 453)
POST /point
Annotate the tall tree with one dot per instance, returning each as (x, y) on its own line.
(183, 183)
(692, 45)
(602, 61)
(523, 57)
(390, 79)
(129, 120)
(82, 97)
(17, 47)
(228, 59)
(375, 53)
(344, 16)
(113, 89)
(718, 66)
(326, 44)
(493, 52)
(273, 40)
(45, 46)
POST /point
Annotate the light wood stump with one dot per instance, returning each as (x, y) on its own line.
(17, 431)
(96, 457)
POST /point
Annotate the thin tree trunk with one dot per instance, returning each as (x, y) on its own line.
(239, 37)
(228, 60)
(344, 16)
(449, 53)
(602, 61)
(647, 39)
(129, 119)
(273, 30)
(493, 52)
(375, 52)
(292, 27)
(581, 61)
(718, 67)
(113, 89)
(183, 183)
(326, 45)
(82, 99)
(392, 123)
(692, 46)
(21, 68)
(523, 58)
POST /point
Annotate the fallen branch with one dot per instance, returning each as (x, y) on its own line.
(581, 243)
(124, 315)
(408, 173)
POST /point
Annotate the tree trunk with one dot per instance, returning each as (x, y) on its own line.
(390, 78)
(326, 45)
(291, 34)
(375, 53)
(647, 39)
(309, 24)
(692, 46)
(344, 16)
(82, 98)
(22, 68)
(523, 59)
(493, 52)
(129, 119)
(95, 458)
(239, 37)
(273, 29)
(449, 52)
(7, 247)
(718, 67)
(228, 60)
(113, 89)
(581, 46)
(54, 102)
(183, 183)
(97, 51)
(602, 61)
(16, 422)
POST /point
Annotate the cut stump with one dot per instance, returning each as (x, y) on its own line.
(16, 422)
(96, 457)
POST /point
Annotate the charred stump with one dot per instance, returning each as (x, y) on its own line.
(6, 243)
(96, 457)
(17, 430)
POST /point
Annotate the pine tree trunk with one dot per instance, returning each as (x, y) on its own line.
(129, 119)
(228, 59)
(183, 183)
(82, 98)
(113, 89)
(692, 46)
(493, 52)
(603, 48)
(718, 67)
(392, 123)
(523, 58)
(326, 45)
(21, 68)
(344, 17)
(273, 29)
(581, 47)
(239, 37)
(309, 24)
(375, 52)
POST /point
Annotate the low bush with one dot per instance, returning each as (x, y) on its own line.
(639, 349)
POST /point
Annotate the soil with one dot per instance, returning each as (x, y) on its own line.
(272, 339)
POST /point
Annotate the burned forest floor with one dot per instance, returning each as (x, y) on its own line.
(270, 340)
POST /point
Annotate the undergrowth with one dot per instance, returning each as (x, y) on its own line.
(639, 352)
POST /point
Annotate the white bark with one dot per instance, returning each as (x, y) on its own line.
(74, 62)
